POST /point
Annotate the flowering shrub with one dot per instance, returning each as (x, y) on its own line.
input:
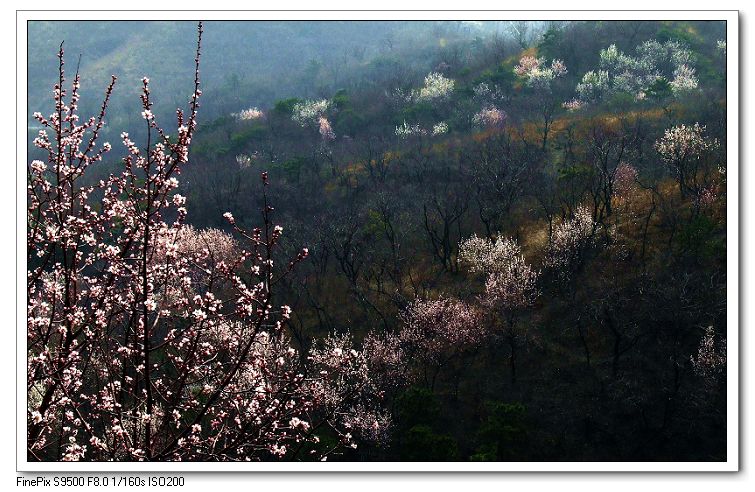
(568, 242)
(249, 114)
(708, 195)
(483, 255)
(214, 244)
(406, 130)
(435, 330)
(537, 73)
(683, 142)
(513, 288)
(594, 86)
(326, 132)
(440, 128)
(613, 60)
(683, 149)
(573, 105)
(670, 61)
(309, 112)
(244, 160)
(684, 79)
(654, 54)
(436, 87)
(152, 340)
(347, 388)
(386, 356)
(487, 94)
(490, 117)
(512, 285)
(528, 64)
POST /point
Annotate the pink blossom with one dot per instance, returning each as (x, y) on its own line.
(435, 329)
(326, 132)
(166, 342)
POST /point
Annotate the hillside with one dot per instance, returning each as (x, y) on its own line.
(523, 238)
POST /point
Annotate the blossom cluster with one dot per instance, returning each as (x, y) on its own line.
(569, 240)
(489, 117)
(314, 113)
(684, 149)
(249, 114)
(682, 142)
(483, 255)
(654, 61)
(513, 288)
(488, 95)
(537, 73)
(684, 80)
(708, 195)
(149, 339)
(307, 112)
(435, 330)
(573, 105)
(440, 128)
(511, 283)
(326, 131)
(594, 86)
(406, 130)
(350, 396)
(436, 87)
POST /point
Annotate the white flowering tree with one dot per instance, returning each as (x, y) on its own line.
(569, 242)
(688, 151)
(510, 286)
(489, 117)
(541, 77)
(249, 114)
(314, 114)
(437, 87)
(537, 73)
(655, 63)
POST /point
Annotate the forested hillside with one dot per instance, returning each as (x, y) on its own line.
(518, 232)
(253, 63)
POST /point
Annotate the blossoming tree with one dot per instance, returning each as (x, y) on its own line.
(435, 332)
(540, 78)
(510, 287)
(669, 64)
(569, 243)
(686, 151)
(151, 340)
